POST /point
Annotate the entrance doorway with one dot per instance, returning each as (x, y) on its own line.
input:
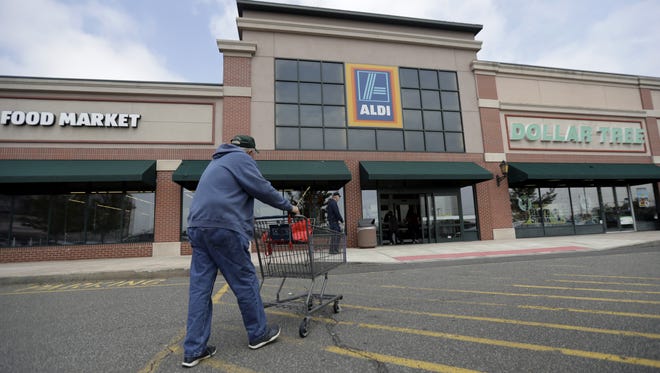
(427, 216)
(617, 208)
(441, 217)
(400, 217)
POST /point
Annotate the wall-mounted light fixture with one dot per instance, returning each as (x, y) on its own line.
(504, 169)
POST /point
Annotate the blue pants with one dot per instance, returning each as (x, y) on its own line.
(334, 240)
(220, 249)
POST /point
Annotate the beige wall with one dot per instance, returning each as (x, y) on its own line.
(158, 123)
(522, 90)
(171, 115)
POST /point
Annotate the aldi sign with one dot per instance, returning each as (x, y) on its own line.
(373, 96)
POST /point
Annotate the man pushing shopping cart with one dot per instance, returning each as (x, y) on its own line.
(220, 228)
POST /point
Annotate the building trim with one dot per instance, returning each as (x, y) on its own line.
(494, 104)
(237, 91)
(167, 164)
(236, 48)
(68, 85)
(355, 16)
(498, 68)
(315, 29)
(489, 103)
(494, 157)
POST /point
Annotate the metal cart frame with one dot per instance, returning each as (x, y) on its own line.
(294, 247)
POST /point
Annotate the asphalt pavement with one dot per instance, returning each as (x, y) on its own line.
(77, 270)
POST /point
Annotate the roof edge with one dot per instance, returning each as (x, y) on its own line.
(242, 5)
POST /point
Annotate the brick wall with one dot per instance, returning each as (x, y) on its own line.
(235, 117)
(236, 110)
(77, 252)
(236, 71)
(167, 226)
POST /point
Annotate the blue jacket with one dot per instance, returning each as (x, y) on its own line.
(334, 216)
(225, 195)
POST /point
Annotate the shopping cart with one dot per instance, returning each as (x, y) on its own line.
(294, 247)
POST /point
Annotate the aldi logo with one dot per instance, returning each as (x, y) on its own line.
(373, 96)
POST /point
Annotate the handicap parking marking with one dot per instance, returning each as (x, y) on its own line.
(92, 285)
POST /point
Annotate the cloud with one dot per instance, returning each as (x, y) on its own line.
(81, 40)
(624, 40)
(222, 24)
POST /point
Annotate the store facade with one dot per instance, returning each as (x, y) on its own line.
(396, 114)
(582, 147)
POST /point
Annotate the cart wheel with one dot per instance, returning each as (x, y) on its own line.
(303, 330)
(336, 308)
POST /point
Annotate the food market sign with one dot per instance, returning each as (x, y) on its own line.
(575, 134)
(44, 118)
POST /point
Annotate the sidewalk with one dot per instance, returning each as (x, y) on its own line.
(98, 269)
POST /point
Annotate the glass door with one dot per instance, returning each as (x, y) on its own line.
(440, 217)
(447, 217)
(617, 209)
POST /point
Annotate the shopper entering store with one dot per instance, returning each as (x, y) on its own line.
(220, 228)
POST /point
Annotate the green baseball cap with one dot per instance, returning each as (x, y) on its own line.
(244, 141)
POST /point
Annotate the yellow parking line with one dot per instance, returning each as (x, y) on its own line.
(227, 367)
(527, 295)
(492, 342)
(174, 346)
(603, 283)
(585, 289)
(518, 345)
(598, 312)
(400, 361)
(606, 276)
(510, 321)
(219, 294)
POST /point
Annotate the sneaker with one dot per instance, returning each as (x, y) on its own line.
(271, 335)
(190, 362)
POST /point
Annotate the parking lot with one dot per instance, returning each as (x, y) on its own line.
(596, 313)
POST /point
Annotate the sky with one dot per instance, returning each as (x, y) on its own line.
(175, 40)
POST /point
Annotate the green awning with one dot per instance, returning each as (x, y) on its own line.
(406, 173)
(188, 173)
(282, 174)
(50, 176)
(580, 173)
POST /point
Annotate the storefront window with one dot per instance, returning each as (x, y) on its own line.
(68, 226)
(582, 210)
(138, 217)
(557, 217)
(525, 210)
(585, 205)
(30, 220)
(524, 207)
(370, 205)
(644, 205)
(470, 231)
(5, 219)
(80, 218)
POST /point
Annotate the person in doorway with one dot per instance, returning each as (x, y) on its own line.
(334, 218)
(220, 228)
(393, 227)
(413, 223)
